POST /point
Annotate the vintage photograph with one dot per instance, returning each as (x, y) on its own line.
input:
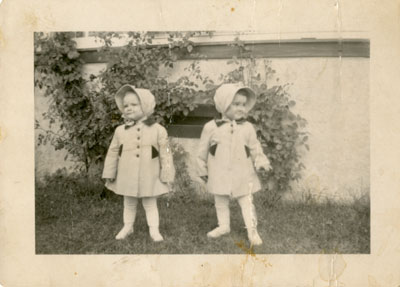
(201, 142)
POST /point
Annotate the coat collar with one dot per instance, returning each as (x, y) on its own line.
(148, 121)
(220, 122)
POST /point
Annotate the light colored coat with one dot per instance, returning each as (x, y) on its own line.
(140, 160)
(228, 154)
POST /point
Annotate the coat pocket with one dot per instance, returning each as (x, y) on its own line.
(154, 152)
(213, 149)
(120, 150)
(247, 149)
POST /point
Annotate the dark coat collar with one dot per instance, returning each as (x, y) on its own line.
(148, 122)
(220, 122)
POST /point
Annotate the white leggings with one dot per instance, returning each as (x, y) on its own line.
(149, 205)
(246, 205)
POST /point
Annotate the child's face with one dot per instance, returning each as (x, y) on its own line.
(237, 108)
(132, 107)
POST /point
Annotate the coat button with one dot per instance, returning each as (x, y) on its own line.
(138, 146)
(138, 129)
(138, 138)
(137, 155)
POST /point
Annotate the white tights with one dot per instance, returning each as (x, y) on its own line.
(149, 205)
(246, 205)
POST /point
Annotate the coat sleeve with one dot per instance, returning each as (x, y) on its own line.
(167, 173)
(111, 161)
(202, 154)
(260, 160)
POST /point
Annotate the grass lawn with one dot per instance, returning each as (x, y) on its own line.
(75, 217)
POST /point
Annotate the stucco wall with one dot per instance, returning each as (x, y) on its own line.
(331, 93)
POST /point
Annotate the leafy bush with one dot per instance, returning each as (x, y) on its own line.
(184, 188)
(85, 108)
(281, 134)
(58, 72)
(87, 115)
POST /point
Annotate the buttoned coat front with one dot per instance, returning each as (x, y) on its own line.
(140, 161)
(228, 154)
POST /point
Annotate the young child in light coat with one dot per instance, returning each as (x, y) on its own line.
(139, 161)
(229, 155)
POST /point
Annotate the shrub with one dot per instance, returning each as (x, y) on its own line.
(185, 189)
(84, 109)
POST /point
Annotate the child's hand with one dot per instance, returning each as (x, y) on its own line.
(264, 168)
(165, 181)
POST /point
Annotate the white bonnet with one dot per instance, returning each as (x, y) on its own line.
(146, 98)
(225, 93)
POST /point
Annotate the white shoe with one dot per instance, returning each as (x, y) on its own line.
(254, 238)
(155, 235)
(125, 231)
(217, 232)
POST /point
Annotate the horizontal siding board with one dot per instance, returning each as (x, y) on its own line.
(268, 49)
(353, 49)
(203, 110)
(93, 57)
(192, 121)
(283, 50)
(191, 126)
(185, 131)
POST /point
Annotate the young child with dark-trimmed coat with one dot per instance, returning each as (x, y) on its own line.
(229, 155)
(139, 162)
